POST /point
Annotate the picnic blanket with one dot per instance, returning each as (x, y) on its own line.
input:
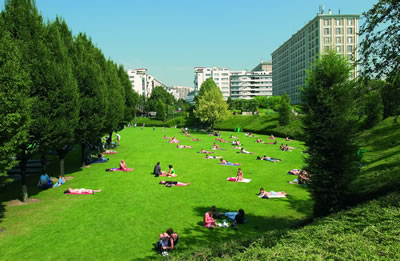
(229, 164)
(234, 179)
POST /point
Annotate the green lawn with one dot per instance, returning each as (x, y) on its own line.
(123, 221)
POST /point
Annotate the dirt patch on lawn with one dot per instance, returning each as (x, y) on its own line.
(17, 202)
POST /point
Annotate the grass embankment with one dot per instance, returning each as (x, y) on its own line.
(366, 232)
(124, 220)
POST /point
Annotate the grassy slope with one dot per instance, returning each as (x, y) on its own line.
(366, 232)
(125, 219)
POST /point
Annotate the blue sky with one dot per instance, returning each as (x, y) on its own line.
(170, 37)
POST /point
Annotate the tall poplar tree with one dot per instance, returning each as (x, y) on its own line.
(329, 133)
(15, 103)
(131, 97)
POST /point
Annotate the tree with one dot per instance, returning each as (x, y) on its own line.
(160, 110)
(92, 93)
(284, 110)
(391, 96)
(160, 93)
(131, 97)
(57, 106)
(329, 133)
(210, 106)
(373, 108)
(380, 48)
(15, 103)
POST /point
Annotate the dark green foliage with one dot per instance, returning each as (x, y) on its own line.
(160, 93)
(373, 109)
(131, 97)
(210, 106)
(243, 105)
(15, 103)
(268, 102)
(391, 95)
(329, 133)
(284, 110)
(159, 108)
(380, 48)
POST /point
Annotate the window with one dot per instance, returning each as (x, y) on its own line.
(224, 74)
(326, 30)
(338, 22)
(338, 40)
(338, 31)
(350, 40)
(326, 22)
(216, 79)
(216, 74)
(338, 49)
(350, 49)
(350, 22)
(208, 75)
(350, 30)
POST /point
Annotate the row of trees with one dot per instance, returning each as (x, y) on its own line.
(55, 89)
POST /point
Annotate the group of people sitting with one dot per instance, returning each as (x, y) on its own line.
(236, 142)
(215, 133)
(210, 216)
(158, 172)
(45, 181)
(173, 140)
(259, 141)
(303, 178)
(285, 147)
(167, 241)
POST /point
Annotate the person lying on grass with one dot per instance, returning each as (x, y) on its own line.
(173, 183)
(272, 143)
(236, 217)
(259, 141)
(266, 194)
(166, 137)
(173, 140)
(195, 139)
(212, 157)
(237, 148)
(268, 158)
(183, 147)
(224, 162)
(216, 147)
(82, 191)
(242, 150)
(61, 181)
(206, 152)
(208, 220)
(294, 172)
(233, 137)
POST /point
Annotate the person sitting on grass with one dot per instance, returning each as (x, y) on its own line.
(287, 139)
(170, 173)
(61, 181)
(206, 151)
(282, 147)
(123, 166)
(259, 141)
(45, 181)
(242, 150)
(212, 157)
(272, 137)
(236, 142)
(224, 162)
(215, 146)
(173, 183)
(266, 194)
(239, 175)
(236, 217)
(304, 177)
(157, 170)
(82, 191)
(167, 241)
(208, 220)
(183, 147)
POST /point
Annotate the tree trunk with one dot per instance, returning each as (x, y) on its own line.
(43, 161)
(111, 137)
(61, 156)
(23, 176)
(83, 154)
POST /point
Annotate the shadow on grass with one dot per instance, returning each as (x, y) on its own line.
(218, 242)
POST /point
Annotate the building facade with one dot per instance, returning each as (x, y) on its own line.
(323, 33)
(218, 74)
(180, 92)
(247, 85)
(142, 82)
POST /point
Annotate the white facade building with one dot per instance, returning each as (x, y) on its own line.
(180, 92)
(323, 33)
(142, 82)
(247, 85)
(218, 74)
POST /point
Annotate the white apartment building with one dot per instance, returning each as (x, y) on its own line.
(218, 74)
(142, 82)
(323, 33)
(180, 92)
(247, 85)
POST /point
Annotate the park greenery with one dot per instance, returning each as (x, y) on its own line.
(59, 97)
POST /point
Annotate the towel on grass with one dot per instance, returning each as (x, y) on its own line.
(234, 179)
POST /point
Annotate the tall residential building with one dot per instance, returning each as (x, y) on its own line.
(218, 74)
(180, 92)
(323, 33)
(247, 85)
(142, 82)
